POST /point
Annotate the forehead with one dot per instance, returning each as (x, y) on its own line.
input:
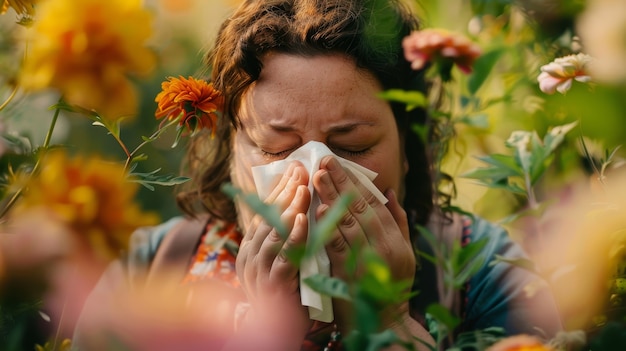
(331, 87)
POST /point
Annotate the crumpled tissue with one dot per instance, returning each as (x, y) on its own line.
(267, 176)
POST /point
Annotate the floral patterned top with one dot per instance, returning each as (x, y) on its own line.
(215, 259)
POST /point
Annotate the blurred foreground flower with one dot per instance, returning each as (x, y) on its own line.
(519, 343)
(92, 197)
(86, 49)
(193, 102)
(434, 45)
(195, 317)
(558, 75)
(585, 253)
(22, 7)
(602, 28)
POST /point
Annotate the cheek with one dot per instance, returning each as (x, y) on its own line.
(241, 166)
(390, 172)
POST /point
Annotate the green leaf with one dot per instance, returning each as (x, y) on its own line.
(140, 157)
(488, 174)
(268, 212)
(511, 187)
(503, 161)
(461, 278)
(470, 252)
(151, 178)
(478, 339)
(490, 7)
(411, 98)
(327, 224)
(478, 121)
(482, 67)
(521, 262)
(179, 134)
(331, 286)
(521, 141)
(64, 106)
(443, 315)
(382, 340)
(556, 135)
(437, 246)
(456, 209)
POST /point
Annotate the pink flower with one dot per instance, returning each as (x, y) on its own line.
(559, 74)
(433, 44)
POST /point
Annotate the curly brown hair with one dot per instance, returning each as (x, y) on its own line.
(368, 31)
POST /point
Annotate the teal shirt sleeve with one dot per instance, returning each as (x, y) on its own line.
(143, 245)
(496, 296)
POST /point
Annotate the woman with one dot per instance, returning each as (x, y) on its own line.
(296, 71)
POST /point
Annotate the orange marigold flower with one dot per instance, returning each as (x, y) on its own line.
(92, 197)
(193, 102)
(435, 44)
(87, 49)
(520, 343)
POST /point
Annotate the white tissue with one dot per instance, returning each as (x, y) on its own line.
(267, 176)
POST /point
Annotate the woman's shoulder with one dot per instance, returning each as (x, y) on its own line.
(145, 241)
(497, 294)
(162, 244)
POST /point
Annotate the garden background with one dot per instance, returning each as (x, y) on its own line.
(542, 155)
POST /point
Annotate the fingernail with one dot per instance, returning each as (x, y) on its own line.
(290, 169)
(295, 175)
(300, 191)
(299, 219)
(333, 165)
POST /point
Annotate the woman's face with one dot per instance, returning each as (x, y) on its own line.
(321, 98)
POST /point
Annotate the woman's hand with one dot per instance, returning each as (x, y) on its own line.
(367, 222)
(269, 279)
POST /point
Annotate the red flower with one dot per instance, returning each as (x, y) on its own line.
(195, 103)
(434, 44)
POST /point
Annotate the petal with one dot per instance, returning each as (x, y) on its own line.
(583, 79)
(565, 86)
(449, 51)
(548, 84)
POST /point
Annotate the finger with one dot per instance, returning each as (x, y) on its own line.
(398, 213)
(333, 182)
(272, 243)
(286, 196)
(283, 269)
(329, 195)
(298, 177)
(282, 183)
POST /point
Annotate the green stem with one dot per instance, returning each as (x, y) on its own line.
(44, 149)
(10, 98)
(152, 137)
(530, 193)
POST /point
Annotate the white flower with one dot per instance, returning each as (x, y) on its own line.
(559, 74)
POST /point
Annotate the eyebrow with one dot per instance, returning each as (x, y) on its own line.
(339, 129)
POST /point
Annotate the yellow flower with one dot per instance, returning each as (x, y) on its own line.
(558, 75)
(22, 7)
(520, 343)
(193, 102)
(86, 49)
(436, 44)
(92, 197)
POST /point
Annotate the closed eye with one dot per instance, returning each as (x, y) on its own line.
(353, 153)
(276, 155)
